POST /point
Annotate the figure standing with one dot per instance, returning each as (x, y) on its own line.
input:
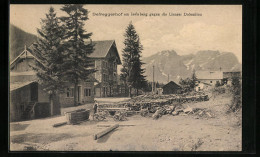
(95, 106)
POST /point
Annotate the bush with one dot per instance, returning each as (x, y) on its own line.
(217, 84)
(219, 90)
(236, 90)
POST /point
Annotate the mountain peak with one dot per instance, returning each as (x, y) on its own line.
(168, 53)
(208, 52)
(169, 63)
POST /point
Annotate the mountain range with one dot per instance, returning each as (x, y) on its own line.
(165, 62)
(181, 66)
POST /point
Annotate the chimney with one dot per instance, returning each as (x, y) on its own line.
(25, 47)
(91, 41)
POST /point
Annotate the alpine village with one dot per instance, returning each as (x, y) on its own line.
(71, 93)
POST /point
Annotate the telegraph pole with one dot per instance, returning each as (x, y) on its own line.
(153, 81)
(168, 78)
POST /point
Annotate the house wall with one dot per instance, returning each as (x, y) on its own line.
(42, 95)
(170, 90)
(209, 81)
(18, 101)
(199, 87)
(22, 78)
(97, 92)
(69, 101)
(20, 98)
(98, 73)
(23, 65)
(106, 73)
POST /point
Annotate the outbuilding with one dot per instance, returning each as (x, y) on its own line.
(171, 88)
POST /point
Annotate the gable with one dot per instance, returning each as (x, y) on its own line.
(101, 48)
(113, 53)
(104, 48)
(25, 55)
(171, 85)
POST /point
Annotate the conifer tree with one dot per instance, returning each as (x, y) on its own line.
(132, 72)
(193, 80)
(48, 50)
(75, 60)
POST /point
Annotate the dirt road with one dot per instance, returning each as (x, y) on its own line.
(222, 132)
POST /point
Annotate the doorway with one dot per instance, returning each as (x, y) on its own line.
(34, 92)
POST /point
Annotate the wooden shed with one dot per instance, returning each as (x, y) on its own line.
(171, 88)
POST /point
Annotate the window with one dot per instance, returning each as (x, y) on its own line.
(70, 92)
(210, 81)
(92, 63)
(87, 92)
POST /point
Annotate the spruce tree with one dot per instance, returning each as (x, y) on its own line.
(47, 50)
(132, 72)
(75, 60)
(193, 80)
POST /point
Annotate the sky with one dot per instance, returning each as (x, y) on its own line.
(219, 27)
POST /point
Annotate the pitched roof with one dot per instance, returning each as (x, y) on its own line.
(101, 48)
(209, 75)
(172, 85)
(17, 85)
(24, 73)
(25, 54)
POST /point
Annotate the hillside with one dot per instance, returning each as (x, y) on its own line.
(177, 66)
(18, 39)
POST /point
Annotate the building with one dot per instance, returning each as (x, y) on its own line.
(105, 60)
(159, 91)
(227, 76)
(27, 97)
(171, 88)
(202, 86)
(209, 77)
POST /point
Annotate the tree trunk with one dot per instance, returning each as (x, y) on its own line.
(125, 89)
(136, 92)
(51, 104)
(130, 91)
(75, 94)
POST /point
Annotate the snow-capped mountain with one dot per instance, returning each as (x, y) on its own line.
(176, 66)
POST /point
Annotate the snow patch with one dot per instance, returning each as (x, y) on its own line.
(188, 64)
(166, 54)
(164, 74)
(192, 67)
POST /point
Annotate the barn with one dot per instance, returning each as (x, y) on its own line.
(28, 100)
(171, 88)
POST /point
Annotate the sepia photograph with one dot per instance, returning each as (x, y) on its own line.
(89, 77)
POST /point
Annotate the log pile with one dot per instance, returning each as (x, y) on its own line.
(157, 104)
